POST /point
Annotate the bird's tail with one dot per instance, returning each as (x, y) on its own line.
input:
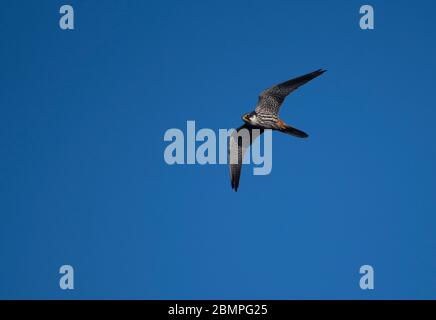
(294, 132)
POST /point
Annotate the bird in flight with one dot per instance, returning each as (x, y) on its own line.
(265, 116)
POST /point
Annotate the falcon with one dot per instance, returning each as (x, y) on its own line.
(265, 116)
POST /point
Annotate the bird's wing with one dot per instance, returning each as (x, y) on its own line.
(238, 143)
(272, 98)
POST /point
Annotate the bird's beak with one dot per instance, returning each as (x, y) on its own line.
(244, 117)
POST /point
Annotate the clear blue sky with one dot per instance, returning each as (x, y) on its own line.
(84, 182)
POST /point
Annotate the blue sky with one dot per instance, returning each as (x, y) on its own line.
(84, 182)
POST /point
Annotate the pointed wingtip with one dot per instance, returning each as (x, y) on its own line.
(235, 186)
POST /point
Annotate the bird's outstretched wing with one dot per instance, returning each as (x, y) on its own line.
(272, 98)
(239, 142)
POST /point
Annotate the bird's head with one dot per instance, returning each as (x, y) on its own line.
(250, 118)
